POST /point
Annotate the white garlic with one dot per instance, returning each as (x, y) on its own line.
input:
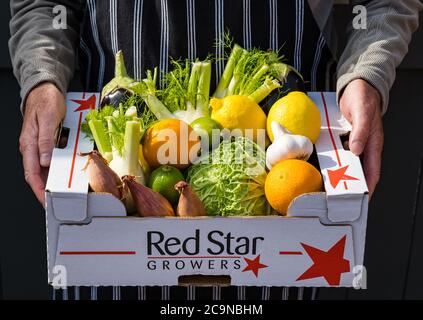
(287, 146)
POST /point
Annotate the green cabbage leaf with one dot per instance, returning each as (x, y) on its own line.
(230, 180)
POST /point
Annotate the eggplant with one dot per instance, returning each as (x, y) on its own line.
(291, 81)
(118, 89)
(270, 100)
(116, 97)
(294, 82)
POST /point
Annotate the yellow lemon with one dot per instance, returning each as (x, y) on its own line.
(288, 180)
(297, 113)
(239, 112)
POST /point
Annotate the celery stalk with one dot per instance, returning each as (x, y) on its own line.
(264, 90)
(157, 107)
(192, 85)
(101, 138)
(281, 71)
(256, 78)
(114, 138)
(126, 162)
(131, 145)
(226, 78)
(203, 89)
(131, 112)
(238, 74)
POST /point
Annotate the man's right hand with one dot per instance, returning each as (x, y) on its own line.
(44, 110)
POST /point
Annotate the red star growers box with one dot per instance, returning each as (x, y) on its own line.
(91, 241)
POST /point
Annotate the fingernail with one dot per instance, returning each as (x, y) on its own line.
(357, 147)
(45, 159)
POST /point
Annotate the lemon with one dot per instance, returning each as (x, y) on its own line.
(238, 112)
(297, 113)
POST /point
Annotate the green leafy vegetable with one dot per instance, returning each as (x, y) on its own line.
(107, 126)
(254, 73)
(230, 180)
(185, 93)
(117, 134)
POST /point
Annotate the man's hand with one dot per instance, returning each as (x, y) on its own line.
(44, 110)
(361, 106)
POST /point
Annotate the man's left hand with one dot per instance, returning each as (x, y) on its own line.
(361, 106)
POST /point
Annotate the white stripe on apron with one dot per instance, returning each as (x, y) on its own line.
(94, 28)
(164, 39)
(273, 37)
(113, 26)
(317, 56)
(246, 24)
(87, 52)
(219, 26)
(299, 28)
(137, 41)
(328, 78)
(192, 39)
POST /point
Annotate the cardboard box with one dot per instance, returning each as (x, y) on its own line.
(92, 242)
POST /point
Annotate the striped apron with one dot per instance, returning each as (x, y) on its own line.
(151, 31)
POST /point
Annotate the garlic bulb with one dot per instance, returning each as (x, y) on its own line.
(287, 146)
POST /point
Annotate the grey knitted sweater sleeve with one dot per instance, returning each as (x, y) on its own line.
(39, 51)
(374, 53)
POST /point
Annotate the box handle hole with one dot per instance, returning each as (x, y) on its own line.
(204, 281)
(62, 136)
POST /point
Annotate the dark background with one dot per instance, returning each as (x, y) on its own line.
(394, 252)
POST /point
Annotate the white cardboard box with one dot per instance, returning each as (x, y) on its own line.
(91, 242)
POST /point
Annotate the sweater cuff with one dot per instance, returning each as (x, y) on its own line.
(372, 78)
(36, 79)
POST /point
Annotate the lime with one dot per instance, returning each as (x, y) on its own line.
(163, 180)
(204, 128)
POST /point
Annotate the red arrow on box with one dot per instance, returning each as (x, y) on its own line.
(335, 176)
(85, 104)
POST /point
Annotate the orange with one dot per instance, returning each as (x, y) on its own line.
(288, 180)
(171, 142)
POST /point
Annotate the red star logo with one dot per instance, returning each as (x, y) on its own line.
(254, 265)
(329, 265)
(335, 176)
(85, 104)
